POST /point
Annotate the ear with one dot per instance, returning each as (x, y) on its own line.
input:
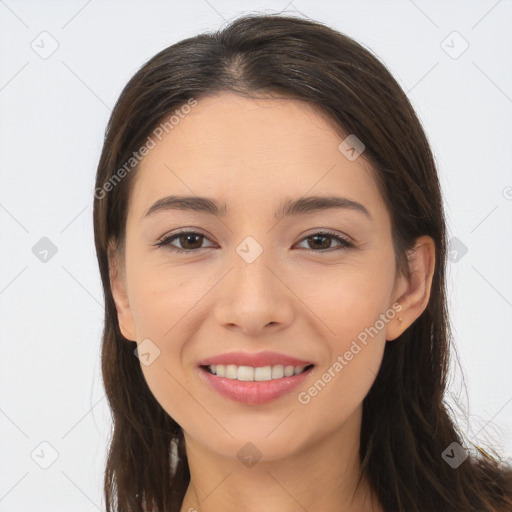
(413, 293)
(117, 277)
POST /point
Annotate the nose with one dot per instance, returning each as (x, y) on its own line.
(254, 296)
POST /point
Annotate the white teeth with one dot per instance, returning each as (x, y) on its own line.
(231, 371)
(243, 373)
(278, 371)
(263, 373)
(258, 374)
(288, 371)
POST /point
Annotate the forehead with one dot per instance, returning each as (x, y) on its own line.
(252, 152)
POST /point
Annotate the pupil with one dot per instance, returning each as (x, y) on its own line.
(326, 245)
(186, 238)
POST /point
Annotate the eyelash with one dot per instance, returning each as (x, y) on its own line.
(344, 243)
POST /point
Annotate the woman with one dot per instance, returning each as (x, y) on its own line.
(271, 240)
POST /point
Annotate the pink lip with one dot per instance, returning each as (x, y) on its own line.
(253, 393)
(266, 358)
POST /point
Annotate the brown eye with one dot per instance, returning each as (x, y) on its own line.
(189, 241)
(321, 242)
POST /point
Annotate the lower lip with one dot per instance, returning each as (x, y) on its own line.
(254, 392)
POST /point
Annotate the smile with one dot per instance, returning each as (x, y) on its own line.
(257, 374)
(253, 378)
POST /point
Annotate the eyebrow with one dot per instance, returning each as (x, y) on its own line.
(288, 208)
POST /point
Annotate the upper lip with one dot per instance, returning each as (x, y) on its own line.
(255, 359)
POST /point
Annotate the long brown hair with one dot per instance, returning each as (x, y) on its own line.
(406, 426)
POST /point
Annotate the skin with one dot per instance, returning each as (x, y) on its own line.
(253, 154)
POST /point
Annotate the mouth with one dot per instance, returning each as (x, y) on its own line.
(255, 374)
(254, 378)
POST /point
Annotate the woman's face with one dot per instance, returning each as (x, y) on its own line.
(257, 289)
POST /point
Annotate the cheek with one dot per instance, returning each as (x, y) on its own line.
(160, 316)
(160, 296)
(356, 310)
(338, 389)
(165, 306)
(350, 298)
(355, 307)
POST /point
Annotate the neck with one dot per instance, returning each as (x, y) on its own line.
(322, 476)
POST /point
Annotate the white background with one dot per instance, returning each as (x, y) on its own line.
(53, 115)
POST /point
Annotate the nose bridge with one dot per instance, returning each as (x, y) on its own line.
(253, 296)
(251, 266)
